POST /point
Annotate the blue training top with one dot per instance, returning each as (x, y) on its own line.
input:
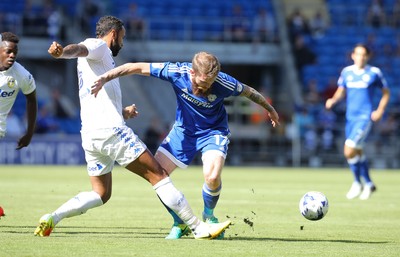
(197, 115)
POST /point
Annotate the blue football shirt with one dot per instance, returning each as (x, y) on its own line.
(360, 88)
(197, 115)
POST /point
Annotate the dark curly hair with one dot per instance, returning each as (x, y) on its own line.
(10, 37)
(106, 24)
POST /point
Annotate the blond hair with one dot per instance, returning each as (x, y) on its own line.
(206, 63)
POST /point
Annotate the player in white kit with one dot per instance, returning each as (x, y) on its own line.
(13, 78)
(106, 139)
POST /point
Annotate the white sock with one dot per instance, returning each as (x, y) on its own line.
(176, 201)
(77, 205)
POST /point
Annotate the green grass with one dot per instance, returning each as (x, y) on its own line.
(134, 223)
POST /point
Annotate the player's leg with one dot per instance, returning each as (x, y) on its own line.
(148, 168)
(213, 162)
(79, 204)
(357, 133)
(353, 160)
(214, 149)
(179, 228)
(99, 168)
(177, 150)
(369, 186)
(134, 156)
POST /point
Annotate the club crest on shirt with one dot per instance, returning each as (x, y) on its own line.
(366, 77)
(10, 82)
(211, 98)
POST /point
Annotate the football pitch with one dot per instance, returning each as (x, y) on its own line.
(262, 202)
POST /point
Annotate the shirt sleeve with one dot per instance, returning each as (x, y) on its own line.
(232, 86)
(96, 48)
(341, 81)
(28, 82)
(381, 81)
(160, 70)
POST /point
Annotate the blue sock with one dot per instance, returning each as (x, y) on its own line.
(354, 164)
(364, 170)
(210, 198)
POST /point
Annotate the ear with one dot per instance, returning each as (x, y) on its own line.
(114, 34)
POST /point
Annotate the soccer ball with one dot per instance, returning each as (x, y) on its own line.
(313, 205)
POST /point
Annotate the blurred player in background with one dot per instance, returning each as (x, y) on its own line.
(106, 139)
(201, 123)
(14, 77)
(358, 83)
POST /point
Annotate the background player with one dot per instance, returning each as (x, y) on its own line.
(358, 83)
(106, 139)
(201, 123)
(14, 77)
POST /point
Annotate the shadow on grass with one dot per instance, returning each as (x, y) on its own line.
(61, 231)
(239, 238)
(153, 232)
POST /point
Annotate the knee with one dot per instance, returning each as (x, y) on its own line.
(350, 153)
(105, 196)
(213, 182)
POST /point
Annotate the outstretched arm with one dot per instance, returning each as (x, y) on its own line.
(259, 99)
(70, 51)
(140, 68)
(31, 109)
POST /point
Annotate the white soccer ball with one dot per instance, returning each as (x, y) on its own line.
(314, 205)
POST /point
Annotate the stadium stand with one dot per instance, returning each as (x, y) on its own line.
(179, 26)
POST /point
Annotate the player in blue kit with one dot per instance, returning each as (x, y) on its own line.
(201, 123)
(358, 83)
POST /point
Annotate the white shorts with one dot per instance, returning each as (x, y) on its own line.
(106, 146)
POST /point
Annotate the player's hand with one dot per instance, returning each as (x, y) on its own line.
(130, 112)
(376, 115)
(329, 103)
(24, 141)
(55, 50)
(97, 86)
(273, 115)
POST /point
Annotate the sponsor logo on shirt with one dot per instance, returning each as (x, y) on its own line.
(357, 84)
(6, 93)
(196, 102)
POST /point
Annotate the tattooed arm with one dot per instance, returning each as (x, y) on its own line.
(68, 52)
(259, 99)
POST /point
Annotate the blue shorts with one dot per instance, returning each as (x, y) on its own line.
(182, 148)
(357, 132)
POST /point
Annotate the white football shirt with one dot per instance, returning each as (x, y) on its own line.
(11, 81)
(104, 111)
